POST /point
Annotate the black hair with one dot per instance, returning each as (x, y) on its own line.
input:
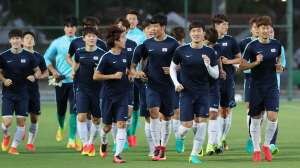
(159, 18)
(145, 23)
(133, 12)
(91, 30)
(71, 21)
(28, 32)
(15, 33)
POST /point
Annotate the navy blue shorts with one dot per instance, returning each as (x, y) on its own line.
(88, 102)
(191, 105)
(227, 95)
(114, 110)
(130, 94)
(34, 105)
(162, 98)
(144, 112)
(261, 98)
(214, 100)
(176, 100)
(62, 95)
(138, 84)
(247, 87)
(17, 104)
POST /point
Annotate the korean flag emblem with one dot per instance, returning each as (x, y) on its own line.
(95, 57)
(203, 55)
(164, 49)
(129, 49)
(124, 60)
(273, 50)
(224, 44)
(23, 60)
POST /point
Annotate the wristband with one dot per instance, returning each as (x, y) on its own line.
(130, 73)
(34, 76)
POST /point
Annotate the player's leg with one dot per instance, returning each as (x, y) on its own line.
(8, 106)
(78, 144)
(107, 120)
(225, 100)
(213, 125)
(95, 131)
(61, 103)
(73, 117)
(176, 121)
(34, 110)
(89, 122)
(136, 111)
(274, 150)
(130, 140)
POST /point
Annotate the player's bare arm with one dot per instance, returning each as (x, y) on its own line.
(236, 60)
(100, 77)
(245, 66)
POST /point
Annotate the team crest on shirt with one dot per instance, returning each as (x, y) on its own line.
(273, 50)
(203, 55)
(129, 49)
(164, 49)
(95, 58)
(124, 60)
(23, 60)
(224, 44)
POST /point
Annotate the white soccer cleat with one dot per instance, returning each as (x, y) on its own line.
(151, 153)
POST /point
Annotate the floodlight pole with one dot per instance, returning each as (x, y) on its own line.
(185, 15)
(289, 10)
(77, 13)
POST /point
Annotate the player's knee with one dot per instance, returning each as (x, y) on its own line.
(213, 115)
(272, 118)
(6, 124)
(21, 122)
(33, 118)
(147, 119)
(121, 124)
(107, 128)
(96, 121)
(129, 116)
(81, 117)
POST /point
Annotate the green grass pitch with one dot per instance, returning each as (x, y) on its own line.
(50, 153)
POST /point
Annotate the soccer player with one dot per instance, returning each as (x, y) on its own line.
(144, 112)
(197, 62)
(230, 54)
(59, 48)
(77, 43)
(179, 34)
(264, 54)
(88, 90)
(14, 63)
(130, 45)
(160, 88)
(210, 40)
(33, 88)
(139, 37)
(111, 70)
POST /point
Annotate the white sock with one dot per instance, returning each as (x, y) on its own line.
(227, 125)
(176, 125)
(5, 130)
(77, 135)
(32, 132)
(19, 133)
(82, 130)
(217, 138)
(114, 131)
(199, 138)
(88, 125)
(182, 131)
(222, 127)
(121, 139)
(194, 127)
(263, 118)
(128, 123)
(95, 131)
(248, 119)
(269, 132)
(155, 131)
(165, 132)
(104, 137)
(148, 135)
(212, 131)
(255, 133)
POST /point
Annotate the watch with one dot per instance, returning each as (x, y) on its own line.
(34, 76)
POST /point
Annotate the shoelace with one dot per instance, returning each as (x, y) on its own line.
(104, 148)
(119, 157)
(156, 152)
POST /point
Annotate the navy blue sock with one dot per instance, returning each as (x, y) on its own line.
(273, 141)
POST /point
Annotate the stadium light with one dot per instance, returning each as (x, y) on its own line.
(283, 0)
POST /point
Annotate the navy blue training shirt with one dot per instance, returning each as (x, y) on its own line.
(129, 48)
(16, 68)
(137, 56)
(194, 74)
(230, 48)
(214, 83)
(160, 55)
(264, 74)
(110, 64)
(40, 61)
(88, 61)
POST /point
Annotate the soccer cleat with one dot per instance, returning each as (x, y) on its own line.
(157, 153)
(219, 149)
(13, 151)
(163, 155)
(194, 159)
(134, 140)
(130, 140)
(183, 148)
(256, 157)
(24, 133)
(210, 150)
(249, 146)
(273, 149)
(5, 143)
(85, 150)
(115, 147)
(30, 147)
(60, 134)
(78, 144)
(179, 145)
(126, 146)
(267, 153)
(200, 153)
(71, 144)
(118, 159)
(92, 150)
(225, 147)
(103, 150)
(260, 139)
(151, 152)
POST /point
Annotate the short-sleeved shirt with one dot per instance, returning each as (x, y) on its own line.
(40, 61)
(88, 61)
(264, 74)
(214, 83)
(80, 43)
(230, 48)
(194, 74)
(110, 64)
(137, 56)
(136, 35)
(160, 55)
(16, 67)
(243, 45)
(129, 48)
